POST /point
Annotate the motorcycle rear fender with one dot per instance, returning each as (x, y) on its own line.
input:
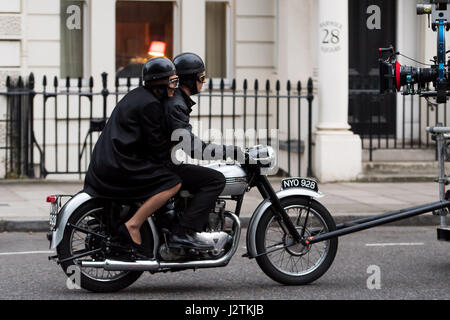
(64, 214)
(73, 204)
(264, 205)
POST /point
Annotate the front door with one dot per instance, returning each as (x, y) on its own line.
(371, 26)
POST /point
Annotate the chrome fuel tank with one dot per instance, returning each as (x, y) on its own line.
(235, 177)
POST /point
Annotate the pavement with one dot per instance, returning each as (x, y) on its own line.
(23, 207)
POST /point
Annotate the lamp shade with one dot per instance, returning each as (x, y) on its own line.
(157, 49)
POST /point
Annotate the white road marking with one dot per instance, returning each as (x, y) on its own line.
(24, 252)
(394, 244)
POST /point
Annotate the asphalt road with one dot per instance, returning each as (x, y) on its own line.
(411, 263)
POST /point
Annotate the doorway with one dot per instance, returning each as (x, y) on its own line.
(372, 24)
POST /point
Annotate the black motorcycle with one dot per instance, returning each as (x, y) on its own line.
(84, 231)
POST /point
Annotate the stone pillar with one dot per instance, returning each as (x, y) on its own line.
(337, 152)
(408, 37)
(103, 41)
(193, 27)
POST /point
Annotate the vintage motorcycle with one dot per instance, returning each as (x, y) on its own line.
(84, 231)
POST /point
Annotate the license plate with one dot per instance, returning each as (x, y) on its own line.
(53, 215)
(299, 183)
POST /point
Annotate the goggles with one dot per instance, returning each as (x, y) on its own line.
(201, 78)
(173, 83)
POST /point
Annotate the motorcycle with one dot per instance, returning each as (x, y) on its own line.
(84, 231)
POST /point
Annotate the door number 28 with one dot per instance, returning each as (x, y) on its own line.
(331, 36)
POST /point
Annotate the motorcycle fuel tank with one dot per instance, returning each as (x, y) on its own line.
(235, 177)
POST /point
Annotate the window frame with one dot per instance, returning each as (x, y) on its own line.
(229, 53)
(176, 27)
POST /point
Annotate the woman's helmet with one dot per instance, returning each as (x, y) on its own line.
(188, 65)
(158, 68)
(155, 74)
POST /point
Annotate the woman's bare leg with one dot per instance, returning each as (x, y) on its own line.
(151, 205)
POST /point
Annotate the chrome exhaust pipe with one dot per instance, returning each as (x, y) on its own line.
(115, 265)
(154, 265)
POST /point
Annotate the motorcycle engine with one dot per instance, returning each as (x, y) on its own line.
(214, 233)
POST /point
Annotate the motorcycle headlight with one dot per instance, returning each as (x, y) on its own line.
(264, 156)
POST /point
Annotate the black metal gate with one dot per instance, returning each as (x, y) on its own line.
(18, 128)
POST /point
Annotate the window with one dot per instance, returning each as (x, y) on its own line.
(216, 39)
(143, 29)
(72, 17)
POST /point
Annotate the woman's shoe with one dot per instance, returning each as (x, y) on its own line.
(139, 248)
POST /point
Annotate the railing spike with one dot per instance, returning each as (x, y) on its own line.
(31, 81)
(20, 82)
(210, 84)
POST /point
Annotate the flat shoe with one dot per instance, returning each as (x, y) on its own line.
(140, 248)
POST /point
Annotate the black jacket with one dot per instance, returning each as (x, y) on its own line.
(129, 156)
(178, 109)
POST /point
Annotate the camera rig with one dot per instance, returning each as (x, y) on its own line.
(394, 76)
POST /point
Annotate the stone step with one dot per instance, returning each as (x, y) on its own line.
(400, 171)
(397, 155)
(402, 167)
(395, 178)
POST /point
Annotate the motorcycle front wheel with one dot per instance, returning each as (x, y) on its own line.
(290, 263)
(84, 239)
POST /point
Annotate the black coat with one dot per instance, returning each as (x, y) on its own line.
(178, 109)
(129, 157)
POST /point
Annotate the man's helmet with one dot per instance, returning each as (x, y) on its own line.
(158, 68)
(188, 65)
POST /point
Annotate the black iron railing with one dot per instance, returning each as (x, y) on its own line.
(62, 121)
(386, 122)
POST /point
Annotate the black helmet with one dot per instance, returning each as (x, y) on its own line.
(188, 63)
(158, 68)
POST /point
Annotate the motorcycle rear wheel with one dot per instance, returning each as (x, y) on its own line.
(91, 216)
(296, 264)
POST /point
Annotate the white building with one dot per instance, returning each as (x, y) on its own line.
(241, 39)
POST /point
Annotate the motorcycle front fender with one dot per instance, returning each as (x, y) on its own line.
(264, 205)
(64, 214)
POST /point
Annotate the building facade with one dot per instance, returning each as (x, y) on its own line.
(239, 39)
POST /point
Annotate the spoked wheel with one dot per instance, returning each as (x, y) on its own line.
(289, 262)
(86, 238)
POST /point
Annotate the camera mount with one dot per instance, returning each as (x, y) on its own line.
(394, 76)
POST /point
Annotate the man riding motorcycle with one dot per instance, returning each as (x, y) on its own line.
(128, 158)
(206, 184)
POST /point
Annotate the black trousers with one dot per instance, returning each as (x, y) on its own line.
(206, 185)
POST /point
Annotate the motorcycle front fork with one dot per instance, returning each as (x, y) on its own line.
(266, 190)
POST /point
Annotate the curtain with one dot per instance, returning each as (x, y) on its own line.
(71, 45)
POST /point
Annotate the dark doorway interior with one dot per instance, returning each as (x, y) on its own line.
(372, 25)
